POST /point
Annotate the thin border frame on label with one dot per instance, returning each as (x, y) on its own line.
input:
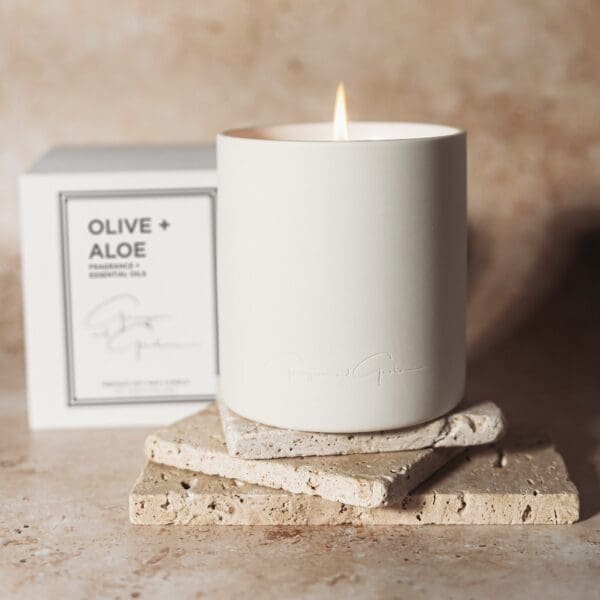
(64, 197)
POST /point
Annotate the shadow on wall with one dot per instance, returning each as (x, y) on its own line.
(547, 372)
(511, 274)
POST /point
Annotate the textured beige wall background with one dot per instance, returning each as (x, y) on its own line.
(522, 77)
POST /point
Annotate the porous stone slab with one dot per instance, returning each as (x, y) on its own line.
(473, 424)
(521, 484)
(196, 443)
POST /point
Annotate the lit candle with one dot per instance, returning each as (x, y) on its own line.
(340, 114)
(341, 273)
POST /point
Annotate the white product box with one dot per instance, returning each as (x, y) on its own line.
(118, 256)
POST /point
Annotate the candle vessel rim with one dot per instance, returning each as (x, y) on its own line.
(359, 131)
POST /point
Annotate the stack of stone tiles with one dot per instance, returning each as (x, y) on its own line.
(216, 467)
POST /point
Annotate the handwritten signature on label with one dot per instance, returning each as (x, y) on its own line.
(119, 321)
(378, 367)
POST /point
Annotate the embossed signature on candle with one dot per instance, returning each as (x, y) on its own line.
(378, 367)
(124, 327)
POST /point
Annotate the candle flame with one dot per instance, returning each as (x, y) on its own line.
(340, 117)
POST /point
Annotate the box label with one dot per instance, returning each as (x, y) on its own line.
(140, 306)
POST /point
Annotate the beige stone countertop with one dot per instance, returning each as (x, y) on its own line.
(64, 532)
(64, 529)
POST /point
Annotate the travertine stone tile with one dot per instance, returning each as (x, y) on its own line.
(521, 484)
(470, 425)
(369, 480)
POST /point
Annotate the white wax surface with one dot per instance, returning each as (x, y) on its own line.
(357, 131)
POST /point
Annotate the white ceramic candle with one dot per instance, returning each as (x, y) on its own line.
(341, 274)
